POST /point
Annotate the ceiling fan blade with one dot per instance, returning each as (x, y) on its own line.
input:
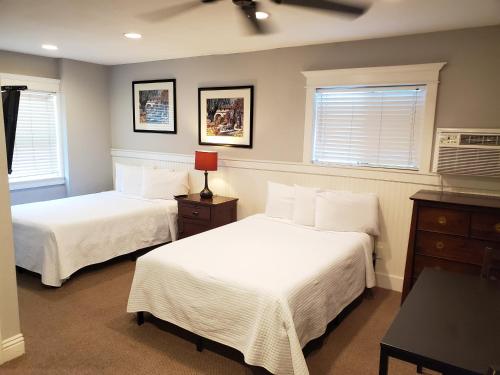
(336, 6)
(257, 26)
(163, 14)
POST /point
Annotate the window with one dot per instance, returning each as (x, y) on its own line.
(375, 126)
(37, 150)
(379, 117)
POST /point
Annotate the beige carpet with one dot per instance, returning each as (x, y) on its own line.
(82, 328)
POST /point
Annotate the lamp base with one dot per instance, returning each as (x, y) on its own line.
(206, 194)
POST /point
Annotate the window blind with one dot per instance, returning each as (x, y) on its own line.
(36, 150)
(368, 126)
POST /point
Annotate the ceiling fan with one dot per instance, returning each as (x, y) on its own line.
(250, 8)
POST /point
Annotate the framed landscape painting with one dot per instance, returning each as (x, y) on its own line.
(225, 116)
(154, 106)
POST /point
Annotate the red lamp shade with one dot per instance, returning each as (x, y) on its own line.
(205, 160)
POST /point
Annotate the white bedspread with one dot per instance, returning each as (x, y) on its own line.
(56, 238)
(263, 286)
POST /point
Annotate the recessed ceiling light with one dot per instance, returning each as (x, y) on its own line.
(132, 36)
(261, 15)
(50, 47)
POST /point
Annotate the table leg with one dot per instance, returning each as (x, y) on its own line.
(384, 361)
(419, 369)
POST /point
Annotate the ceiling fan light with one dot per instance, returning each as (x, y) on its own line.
(261, 15)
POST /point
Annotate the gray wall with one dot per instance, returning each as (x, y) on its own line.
(85, 95)
(85, 89)
(467, 93)
(31, 65)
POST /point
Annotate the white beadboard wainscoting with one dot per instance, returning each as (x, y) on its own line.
(247, 180)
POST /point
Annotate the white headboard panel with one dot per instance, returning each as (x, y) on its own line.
(247, 180)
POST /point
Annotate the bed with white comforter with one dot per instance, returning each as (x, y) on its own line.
(261, 285)
(56, 238)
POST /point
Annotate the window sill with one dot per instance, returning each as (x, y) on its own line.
(20, 185)
(366, 167)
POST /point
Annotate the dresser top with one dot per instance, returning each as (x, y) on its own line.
(216, 199)
(457, 198)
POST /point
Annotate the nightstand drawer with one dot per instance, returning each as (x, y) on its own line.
(443, 220)
(485, 226)
(450, 247)
(192, 227)
(194, 211)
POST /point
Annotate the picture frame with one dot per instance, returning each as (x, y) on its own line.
(225, 116)
(154, 106)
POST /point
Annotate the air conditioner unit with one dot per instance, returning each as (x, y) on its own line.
(468, 152)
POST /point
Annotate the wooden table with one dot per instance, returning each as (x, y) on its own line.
(449, 323)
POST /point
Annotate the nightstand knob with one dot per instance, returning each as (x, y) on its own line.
(497, 227)
(442, 220)
(195, 213)
(439, 245)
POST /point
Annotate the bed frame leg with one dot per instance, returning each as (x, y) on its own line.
(200, 345)
(140, 318)
(369, 293)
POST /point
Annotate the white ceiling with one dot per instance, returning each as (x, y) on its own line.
(92, 30)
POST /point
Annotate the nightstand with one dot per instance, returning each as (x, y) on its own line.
(196, 215)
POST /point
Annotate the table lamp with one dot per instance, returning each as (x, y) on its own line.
(205, 161)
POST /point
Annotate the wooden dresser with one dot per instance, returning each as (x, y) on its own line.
(450, 231)
(196, 215)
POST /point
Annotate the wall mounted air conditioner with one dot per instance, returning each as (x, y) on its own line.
(467, 152)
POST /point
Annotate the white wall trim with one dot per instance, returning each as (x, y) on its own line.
(378, 75)
(427, 74)
(247, 179)
(12, 347)
(374, 174)
(33, 83)
(386, 281)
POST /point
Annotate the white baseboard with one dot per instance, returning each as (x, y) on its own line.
(391, 282)
(11, 348)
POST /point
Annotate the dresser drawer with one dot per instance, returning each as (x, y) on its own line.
(443, 220)
(485, 226)
(194, 211)
(422, 261)
(450, 247)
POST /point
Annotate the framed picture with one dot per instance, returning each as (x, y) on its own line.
(154, 106)
(225, 116)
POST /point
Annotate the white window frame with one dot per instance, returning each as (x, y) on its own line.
(419, 74)
(45, 85)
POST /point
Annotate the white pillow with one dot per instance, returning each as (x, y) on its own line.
(279, 202)
(164, 183)
(128, 179)
(347, 212)
(304, 207)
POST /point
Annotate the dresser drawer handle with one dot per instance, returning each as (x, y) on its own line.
(442, 220)
(439, 245)
(195, 213)
(497, 227)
